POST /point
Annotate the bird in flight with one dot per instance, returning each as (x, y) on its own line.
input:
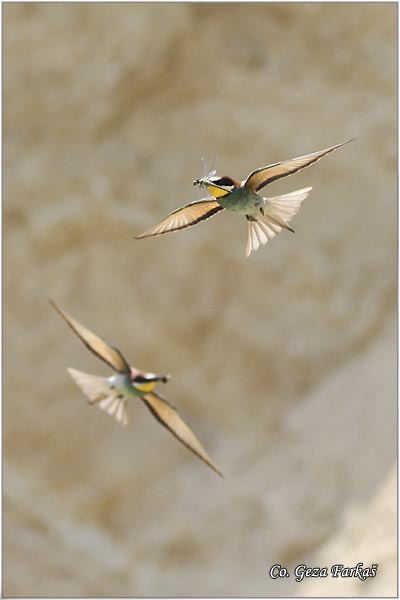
(265, 216)
(111, 393)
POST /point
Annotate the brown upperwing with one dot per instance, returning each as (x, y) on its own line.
(96, 344)
(264, 175)
(167, 415)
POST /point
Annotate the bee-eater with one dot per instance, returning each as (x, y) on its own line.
(265, 216)
(111, 393)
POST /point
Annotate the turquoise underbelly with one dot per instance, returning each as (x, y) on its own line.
(242, 201)
(122, 385)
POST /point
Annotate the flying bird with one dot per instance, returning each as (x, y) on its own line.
(111, 393)
(265, 216)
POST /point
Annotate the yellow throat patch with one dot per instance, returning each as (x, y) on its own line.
(145, 387)
(216, 191)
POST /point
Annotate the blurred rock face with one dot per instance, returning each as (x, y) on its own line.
(284, 363)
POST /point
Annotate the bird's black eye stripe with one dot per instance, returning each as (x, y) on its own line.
(224, 181)
(141, 379)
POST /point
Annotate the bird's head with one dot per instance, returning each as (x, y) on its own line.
(217, 186)
(146, 382)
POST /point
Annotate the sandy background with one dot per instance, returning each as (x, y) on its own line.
(284, 364)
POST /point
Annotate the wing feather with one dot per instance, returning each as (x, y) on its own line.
(98, 392)
(183, 217)
(167, 415)
(96, 344)
(265, 175)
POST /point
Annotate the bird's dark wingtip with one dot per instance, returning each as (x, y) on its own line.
(53, 305)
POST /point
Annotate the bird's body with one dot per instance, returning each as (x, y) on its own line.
(122, 384)
(265, 216)
(112, 393)
(242, 200)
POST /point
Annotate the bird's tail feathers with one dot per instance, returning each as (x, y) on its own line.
(258, 234)
(285, 207)
(98, 392)
(278, 211)
(116, 407)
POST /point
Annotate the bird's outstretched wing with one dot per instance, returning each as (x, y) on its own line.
(96, 344)
(264, 175)
(167, 415)
(188, 215)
